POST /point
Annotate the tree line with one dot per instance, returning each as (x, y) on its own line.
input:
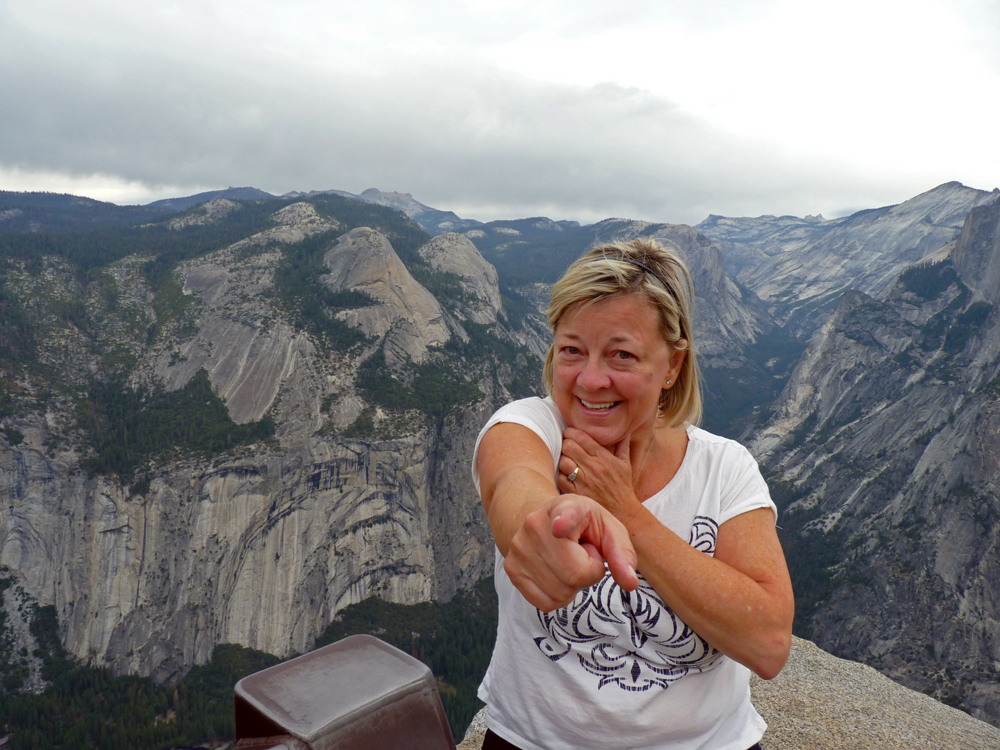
(126, 427)
(84, 707)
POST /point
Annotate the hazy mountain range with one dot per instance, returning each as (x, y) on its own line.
(309, 372)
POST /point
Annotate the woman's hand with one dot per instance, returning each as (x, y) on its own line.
(601, 475)
(553, 545)
(739, 599)
(561, 549)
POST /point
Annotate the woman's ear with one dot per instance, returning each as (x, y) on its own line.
(676, 362)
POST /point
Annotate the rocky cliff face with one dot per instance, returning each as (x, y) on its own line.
(410, 319)
(884, 449)
(248, 348)
(263, 545)
(799, 268)
(431, 220)
(455, 254)
(748, 242)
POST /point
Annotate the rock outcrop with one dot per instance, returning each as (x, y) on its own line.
(431, 220)
(455, 254)
(263, 545)
(884, 451)
(406, 313)
(821, 702)
(807, 265)
(726, 318)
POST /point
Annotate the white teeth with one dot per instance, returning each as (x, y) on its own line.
(597, 406)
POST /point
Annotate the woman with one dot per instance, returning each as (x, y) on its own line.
(639, 574)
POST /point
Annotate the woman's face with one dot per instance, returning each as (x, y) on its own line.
(610, 362)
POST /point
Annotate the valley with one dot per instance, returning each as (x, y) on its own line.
(227, 420)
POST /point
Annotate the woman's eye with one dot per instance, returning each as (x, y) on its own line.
(570, 350)
(623, 355)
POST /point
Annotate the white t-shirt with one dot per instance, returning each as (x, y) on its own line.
(618, 669)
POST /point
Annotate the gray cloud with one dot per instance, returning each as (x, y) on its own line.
(455, 131)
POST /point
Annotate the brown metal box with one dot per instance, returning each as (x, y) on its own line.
(357, 693)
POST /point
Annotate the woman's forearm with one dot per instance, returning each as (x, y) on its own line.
(516, 479)
(745, 612)
(519, 494)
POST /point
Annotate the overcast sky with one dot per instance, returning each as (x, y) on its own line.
(664, 110)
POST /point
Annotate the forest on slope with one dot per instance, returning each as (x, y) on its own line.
(919, 346)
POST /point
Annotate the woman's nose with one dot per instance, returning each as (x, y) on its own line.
(593, 375)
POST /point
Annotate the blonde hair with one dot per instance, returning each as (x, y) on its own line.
(645, 268)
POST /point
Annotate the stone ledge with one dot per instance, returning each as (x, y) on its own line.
(821, 702)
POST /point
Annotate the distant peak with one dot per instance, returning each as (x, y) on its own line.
(947, 187)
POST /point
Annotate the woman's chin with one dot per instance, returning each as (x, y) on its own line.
(605, 435)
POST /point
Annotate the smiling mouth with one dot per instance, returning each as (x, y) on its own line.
(598, 407)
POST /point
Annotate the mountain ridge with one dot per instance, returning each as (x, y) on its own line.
(882, 445)
(870, 402)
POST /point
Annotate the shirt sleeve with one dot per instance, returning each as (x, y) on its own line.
(541, 416)
(745, 489)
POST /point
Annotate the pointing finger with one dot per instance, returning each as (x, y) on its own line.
(569, 519)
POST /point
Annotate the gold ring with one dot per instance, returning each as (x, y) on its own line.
(572, 475)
